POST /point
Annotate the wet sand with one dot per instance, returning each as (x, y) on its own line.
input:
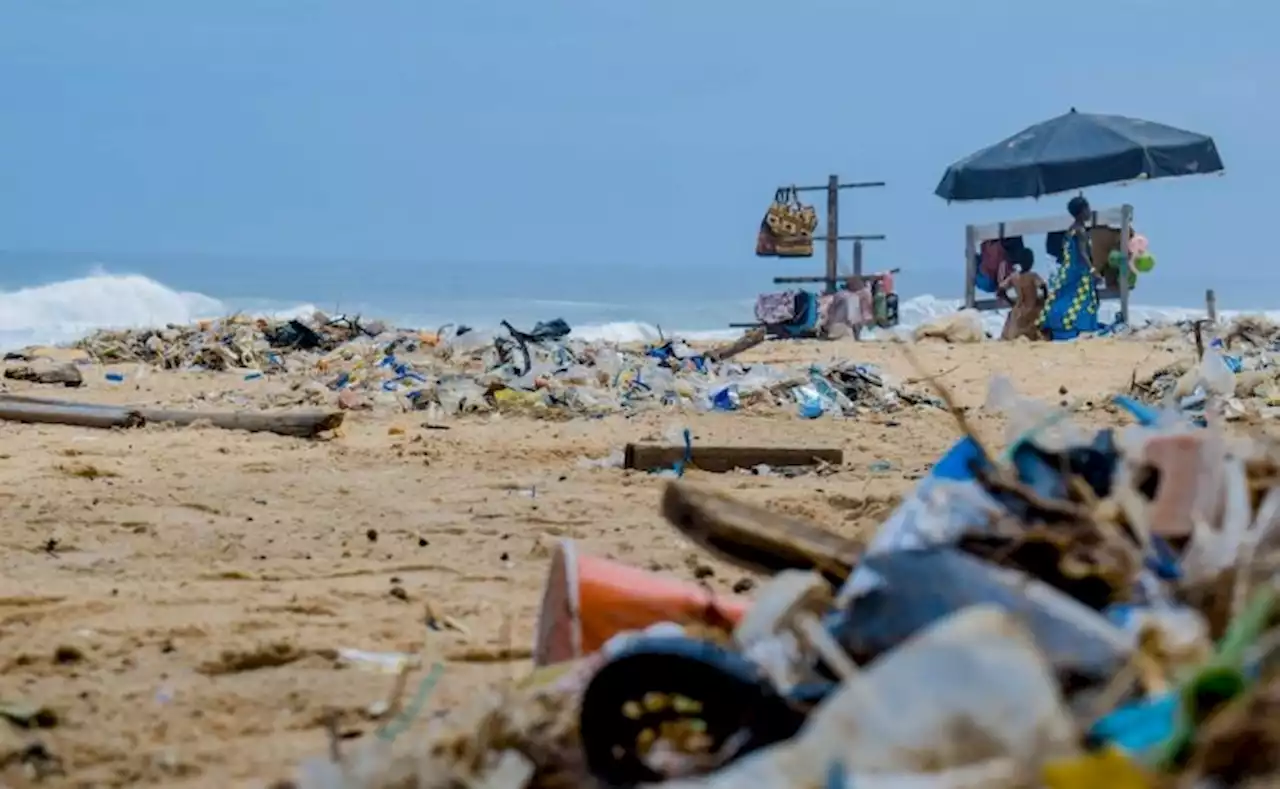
(177, 595)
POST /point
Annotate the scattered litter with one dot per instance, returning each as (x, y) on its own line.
(355, 365)
(383, 662)
(1081, 608)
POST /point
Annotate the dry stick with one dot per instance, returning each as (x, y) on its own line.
(335, 737)
(395, 700)
(914, 381)
(944, 394)
(998, 473)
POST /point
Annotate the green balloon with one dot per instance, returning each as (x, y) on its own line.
(1145, 263)
(1116, 258)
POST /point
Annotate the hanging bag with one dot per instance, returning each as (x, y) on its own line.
(770, 227)
(794, 237)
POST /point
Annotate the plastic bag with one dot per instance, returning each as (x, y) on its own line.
(1027, 418)
(459, 394)
(971, 689)
(1215, 376)
(811, 402)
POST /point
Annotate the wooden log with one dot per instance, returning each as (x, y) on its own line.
(74, 414)
(755, 538)
(14, 398)
(746, 342)
(302, 424)
(719, 459)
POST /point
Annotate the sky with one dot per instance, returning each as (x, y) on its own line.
(321, 144)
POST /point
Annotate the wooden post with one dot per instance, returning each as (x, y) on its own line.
(1211, 305)
(1126, 232)
(970, 266)
(719, 459)
(833, 230)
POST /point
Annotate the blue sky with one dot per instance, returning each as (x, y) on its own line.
(568, 137)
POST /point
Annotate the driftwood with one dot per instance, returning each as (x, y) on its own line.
(303, 424)
(647, 457)
(13, 409)
(755, 538)
(746, 342)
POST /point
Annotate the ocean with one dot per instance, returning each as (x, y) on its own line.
(611, 306)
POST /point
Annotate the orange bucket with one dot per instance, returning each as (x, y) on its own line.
(588, 600)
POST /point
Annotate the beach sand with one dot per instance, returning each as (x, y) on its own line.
(176, 595)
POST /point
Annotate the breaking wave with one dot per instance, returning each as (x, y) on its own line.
(64, 311)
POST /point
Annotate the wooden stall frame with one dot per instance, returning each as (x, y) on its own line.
(974, 235)
(831, 230)
(832, 238)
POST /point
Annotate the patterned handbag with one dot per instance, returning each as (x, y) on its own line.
(787, 228)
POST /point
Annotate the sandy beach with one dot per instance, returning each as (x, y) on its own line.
(177, 596)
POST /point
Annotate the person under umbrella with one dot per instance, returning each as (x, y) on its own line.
(1064, 318)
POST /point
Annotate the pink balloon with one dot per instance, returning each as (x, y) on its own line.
(1138, 246)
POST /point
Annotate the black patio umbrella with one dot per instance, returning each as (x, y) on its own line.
(1075, 151)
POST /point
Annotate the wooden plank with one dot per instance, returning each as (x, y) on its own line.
(970, 267)
(755, 538)
(1041, 225)
(825, 187)
(302, 424)
(1126, 233)
(719, 459)
(798, 280)
(984, 305)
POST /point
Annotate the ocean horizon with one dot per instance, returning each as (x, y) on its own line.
(73, 298)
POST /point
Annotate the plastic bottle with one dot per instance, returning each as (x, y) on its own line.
(881, 306)
(1215, 376)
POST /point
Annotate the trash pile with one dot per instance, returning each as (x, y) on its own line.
(1081, 609)
(542, 372)
(1241, 369)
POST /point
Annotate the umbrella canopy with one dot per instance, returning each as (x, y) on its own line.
(1078, 150)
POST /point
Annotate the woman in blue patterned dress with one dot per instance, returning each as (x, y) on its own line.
(1072, 304)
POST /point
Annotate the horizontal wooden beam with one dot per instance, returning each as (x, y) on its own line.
(802, 280)
(1041, 225)
(823, 188)
(871, 237)
(986, 305)
(719, 459)
(841, 278)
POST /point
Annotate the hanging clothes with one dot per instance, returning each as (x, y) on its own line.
(1072, 303)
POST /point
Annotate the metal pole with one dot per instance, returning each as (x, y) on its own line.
(833, 230)
(857, 258)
